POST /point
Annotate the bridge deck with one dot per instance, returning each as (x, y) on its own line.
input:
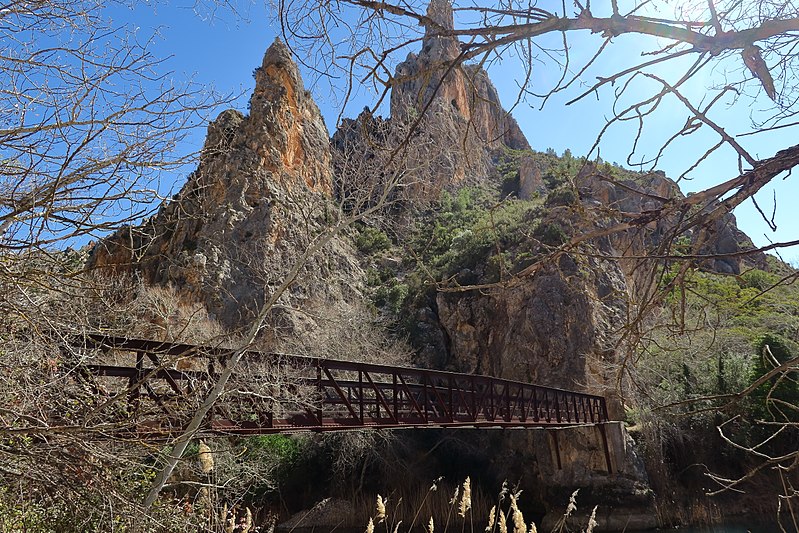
(154, 386)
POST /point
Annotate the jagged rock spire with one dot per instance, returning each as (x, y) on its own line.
(224, 233)
(440, 12)
(287, 129)
(440, 48)
(460, 100)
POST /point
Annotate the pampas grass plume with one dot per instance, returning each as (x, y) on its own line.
(503, 522)
(466, 498)
(492, 517)
(431, 527)
(518, 518)
(591, 521)
(572, 503)
(247, 525)
(381, 509)
(455, 496)
(206, 458)
(370, 526)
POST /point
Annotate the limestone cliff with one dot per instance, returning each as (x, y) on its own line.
(555, 329)
(605, 195)
(456, 95)
(254, 203)
(446, 120)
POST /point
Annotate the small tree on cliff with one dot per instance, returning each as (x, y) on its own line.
(776, 400)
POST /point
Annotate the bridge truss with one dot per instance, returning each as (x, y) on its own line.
(153, 387)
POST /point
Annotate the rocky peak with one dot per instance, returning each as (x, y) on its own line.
(438, 47)
(440, 12)
(459, 101)
(231, 231)
(284, 112)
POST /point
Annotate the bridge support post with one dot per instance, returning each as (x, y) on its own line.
(603, 434)
(556, 445)
(599, 448)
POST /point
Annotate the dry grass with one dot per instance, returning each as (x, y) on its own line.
(411, 507)
(460, 512)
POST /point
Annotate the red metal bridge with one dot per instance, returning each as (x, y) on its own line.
(153, 387)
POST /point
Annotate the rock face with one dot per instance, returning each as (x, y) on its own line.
(329, 513)
(434, 79)
(574, 458)
(550, 330)
(244, 216)
(446, 117)
(649, 194)
(558, 327)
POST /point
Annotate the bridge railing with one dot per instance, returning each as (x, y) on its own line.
(278, 392)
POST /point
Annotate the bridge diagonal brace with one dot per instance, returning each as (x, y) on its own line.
(380, 397)
(342, 395)
(518, 403)
(169, 379)
(506, 403)
(412, 399)
(466, 396)
(447, 413)
(157, 398)
(486, 395)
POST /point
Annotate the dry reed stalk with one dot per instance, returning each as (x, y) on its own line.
(206, 458)
(452, 503)
(572, 504)
(561, 525)
(466, 498)
(492, 518)
(381, 509)
(591, 521)
(433, 488)
(454, 499)
(504, 491)
(518, 518)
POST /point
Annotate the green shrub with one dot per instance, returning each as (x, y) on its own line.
(777, 399)
(758, 279)
(371, 240)
(550, 233)
(285, 450)
(391, 296)
(561, 196)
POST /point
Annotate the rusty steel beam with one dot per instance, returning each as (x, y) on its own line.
(333, 394)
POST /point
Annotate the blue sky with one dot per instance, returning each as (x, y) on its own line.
(221, 50)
